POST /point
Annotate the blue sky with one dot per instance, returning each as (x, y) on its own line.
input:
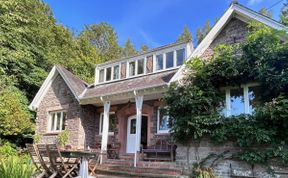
(151, 22)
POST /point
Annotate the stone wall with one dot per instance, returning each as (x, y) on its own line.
(60, 98)
(224, 166)
(234, 32)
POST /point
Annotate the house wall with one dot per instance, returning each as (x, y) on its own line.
(234, 32)
(58, 98)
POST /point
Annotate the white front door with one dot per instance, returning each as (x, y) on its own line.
(131, 135)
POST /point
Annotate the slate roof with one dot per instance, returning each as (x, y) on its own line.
(126, 85)
(75, 84)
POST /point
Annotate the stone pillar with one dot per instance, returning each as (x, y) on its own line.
(139, 103)
(105, 130)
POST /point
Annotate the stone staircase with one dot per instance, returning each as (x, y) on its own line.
(124, 166)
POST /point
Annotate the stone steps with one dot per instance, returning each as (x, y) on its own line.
(122, 167)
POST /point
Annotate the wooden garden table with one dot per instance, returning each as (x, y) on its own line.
(85, 156)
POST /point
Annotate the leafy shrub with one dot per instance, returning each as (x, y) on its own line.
(63, 138)
(16, 167)
(7, 149)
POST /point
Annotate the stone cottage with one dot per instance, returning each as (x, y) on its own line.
(124, 103)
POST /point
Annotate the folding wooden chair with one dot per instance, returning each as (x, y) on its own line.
(94, 162)
(37, 161)
(44, 158)
(63, 168)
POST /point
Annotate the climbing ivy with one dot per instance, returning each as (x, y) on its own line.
(195, 104)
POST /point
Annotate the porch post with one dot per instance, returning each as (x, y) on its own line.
(105, 130)
(139, 103)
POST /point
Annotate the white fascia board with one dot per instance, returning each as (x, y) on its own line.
(43, 89)
(250, 14)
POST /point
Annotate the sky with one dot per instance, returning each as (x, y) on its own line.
(150, 22)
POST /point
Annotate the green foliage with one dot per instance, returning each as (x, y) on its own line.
(196, 104)
(63, 138)
(104, 38)
(16, 167)
(186, 35)
(144, 48)
(129, 49)
(284, 14)
(7, 149)
(266, 12)
(15, 119)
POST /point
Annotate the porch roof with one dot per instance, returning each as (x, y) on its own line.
(155, 80)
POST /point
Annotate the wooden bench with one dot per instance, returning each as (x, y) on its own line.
(163, 150)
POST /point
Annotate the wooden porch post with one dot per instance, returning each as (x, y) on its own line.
(105, 130)
(139, 103)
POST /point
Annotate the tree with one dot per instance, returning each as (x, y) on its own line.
(284, 14)
(202, 33)
(104, 38)
(144, 48)
(199, 35)
(207, 28)
(265, 12)
(15, 118)
(185, 35)
(128, 49)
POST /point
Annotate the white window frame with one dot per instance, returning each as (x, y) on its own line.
(100, 123)
(49, 129)
(245, 89)
(112, 73)
(158, 123)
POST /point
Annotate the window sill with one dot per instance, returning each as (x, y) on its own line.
(162, 133)
(53, 133)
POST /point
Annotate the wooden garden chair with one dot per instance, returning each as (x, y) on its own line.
(37, 161)
(44, 158)
(94, 162)
(63, 168)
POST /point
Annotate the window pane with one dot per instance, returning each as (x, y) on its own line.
(116, 72)
(180, 56)
(52, 121)
(169, 59)
(254, 98)
(159, 62)
(237, 101)
(58, 121)
(101, 121)
(140, 66)
(108, 74)
(63, 122)
(112, 122)
(101, 75)
(164, 123)
(132, 68)
(133, 126)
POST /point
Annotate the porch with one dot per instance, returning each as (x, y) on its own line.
(122, 131)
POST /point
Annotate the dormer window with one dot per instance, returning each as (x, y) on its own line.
(180, 56)
(108, 73)
(159, 62)
(132, 68)
(101, 75)
(164, 58)
(140, 66)
(169, 59)
(116, 72)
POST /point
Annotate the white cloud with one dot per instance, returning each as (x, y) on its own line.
(253, 2)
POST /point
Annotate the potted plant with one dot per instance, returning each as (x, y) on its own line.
(63, 138)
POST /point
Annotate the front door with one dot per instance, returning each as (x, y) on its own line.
(131, 133)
